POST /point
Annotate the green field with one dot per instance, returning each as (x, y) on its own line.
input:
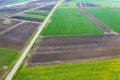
(38, 12)
(108, 4)
(31, 16)
(69, 21)
(7, 57)
(109, 16)
(100, 70)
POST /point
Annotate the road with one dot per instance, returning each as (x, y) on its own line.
(19, 62)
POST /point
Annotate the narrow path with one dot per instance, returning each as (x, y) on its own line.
(101, 25)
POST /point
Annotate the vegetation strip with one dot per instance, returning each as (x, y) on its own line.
(31, 16)
(38, 12)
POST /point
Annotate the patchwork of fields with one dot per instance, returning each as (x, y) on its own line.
(73, 45)
(69, 21)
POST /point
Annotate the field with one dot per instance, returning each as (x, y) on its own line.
(39, 12)
(14, 38)
(7, 57)
(6, 26)
(8, 11)
(112, 19)
(98, 70)
(71, 21)
(58, 50)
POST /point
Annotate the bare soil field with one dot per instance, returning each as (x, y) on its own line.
(47, 8)
(5, 26)
(57, 50)
(18, 36)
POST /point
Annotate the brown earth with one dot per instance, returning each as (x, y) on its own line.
(57, 50)
(18, 36)
(5, 26)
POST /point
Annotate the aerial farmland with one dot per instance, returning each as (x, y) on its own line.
(60, 40)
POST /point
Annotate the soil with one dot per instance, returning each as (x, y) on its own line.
(5, 26)
(18, 36)
(57, 50)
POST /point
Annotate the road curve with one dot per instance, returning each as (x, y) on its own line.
(19, 62)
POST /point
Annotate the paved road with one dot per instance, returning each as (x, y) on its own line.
(101, 25)
(19, 62)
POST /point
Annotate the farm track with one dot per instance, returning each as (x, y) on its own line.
(3, 32)
(101, 25)
(68, 49)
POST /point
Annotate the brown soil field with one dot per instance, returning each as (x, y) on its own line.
(67, 49)
(96, 21)
(18, 36)
(5, 26)
(47, 8)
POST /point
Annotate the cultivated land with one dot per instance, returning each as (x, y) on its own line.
(58, 50)
(69, 21)
(56, 47)
(7, 57)
(112, 19)
(97, 70)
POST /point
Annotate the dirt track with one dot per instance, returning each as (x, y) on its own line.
(101, 25)
(56, 50)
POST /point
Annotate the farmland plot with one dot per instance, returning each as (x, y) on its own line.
(69, 21)
(4, 26)
(17, 37)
